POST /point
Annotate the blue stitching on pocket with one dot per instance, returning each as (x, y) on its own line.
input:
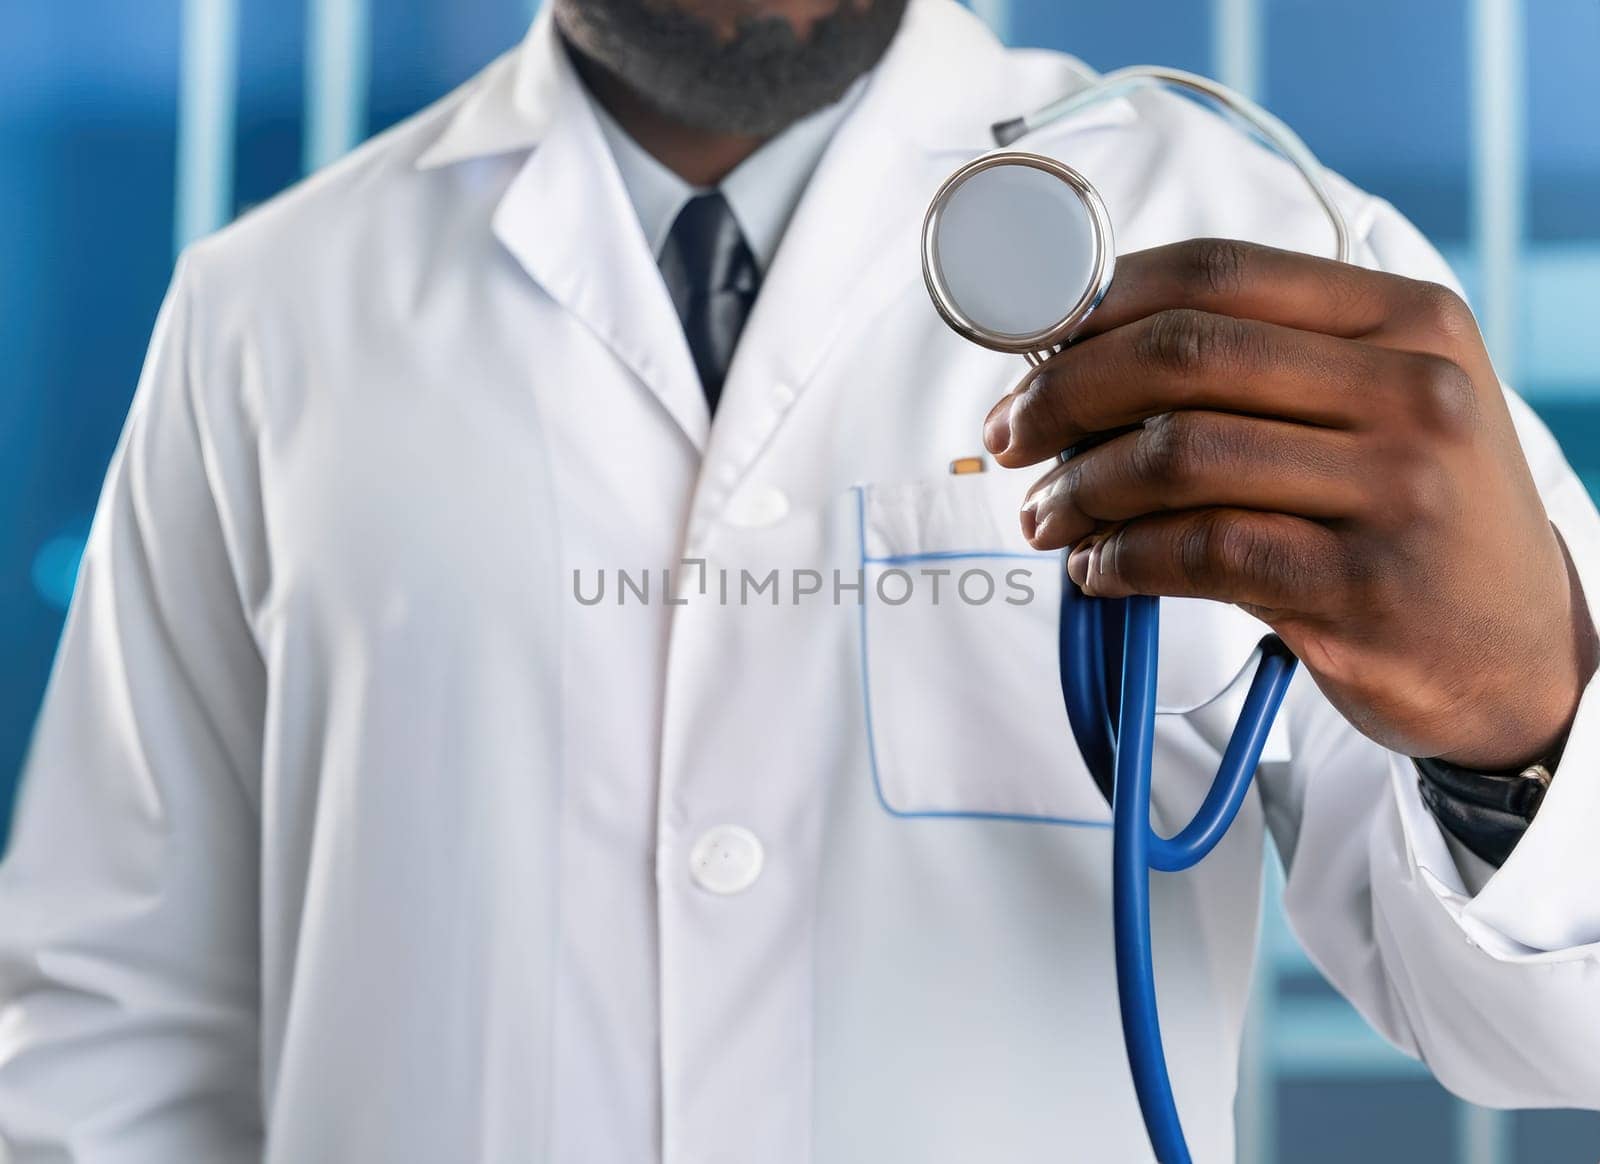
(866, 692)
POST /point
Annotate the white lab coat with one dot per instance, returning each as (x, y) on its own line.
(349, 826)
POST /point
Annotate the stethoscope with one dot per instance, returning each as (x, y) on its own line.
(1017, 252)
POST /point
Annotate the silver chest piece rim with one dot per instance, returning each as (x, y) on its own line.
(1018, 242)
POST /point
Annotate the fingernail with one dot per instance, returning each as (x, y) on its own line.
(997, 427)
(1029, 516)
(1046, 527)
(1104, 564)
(1078, 561)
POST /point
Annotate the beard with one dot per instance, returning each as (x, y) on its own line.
(755, 84)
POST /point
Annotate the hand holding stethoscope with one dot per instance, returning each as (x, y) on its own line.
(1329, 448)
(1326, 446)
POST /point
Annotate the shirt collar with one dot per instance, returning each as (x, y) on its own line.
(762, 191)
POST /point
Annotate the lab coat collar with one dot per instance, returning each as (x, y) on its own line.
(509, 106)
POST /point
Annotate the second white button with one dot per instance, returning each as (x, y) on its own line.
(758, 506)
(726, 859)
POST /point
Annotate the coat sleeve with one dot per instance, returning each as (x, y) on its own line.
(1492, 977)
(128, 897)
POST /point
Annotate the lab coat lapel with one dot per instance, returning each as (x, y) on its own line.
(851, 243)
(567, 219)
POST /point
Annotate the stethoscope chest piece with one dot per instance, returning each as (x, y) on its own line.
(1017, 252)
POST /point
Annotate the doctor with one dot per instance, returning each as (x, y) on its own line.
(357, 828)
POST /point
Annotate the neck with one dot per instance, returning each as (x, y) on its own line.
(700, 157)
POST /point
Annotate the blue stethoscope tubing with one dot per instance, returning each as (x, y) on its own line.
(1108, 651)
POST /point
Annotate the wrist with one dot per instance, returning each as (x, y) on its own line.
(1530, 721)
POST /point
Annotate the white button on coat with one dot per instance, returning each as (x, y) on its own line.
(727, 859)
(758, 507)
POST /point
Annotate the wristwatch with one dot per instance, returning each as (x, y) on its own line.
(1486, 811)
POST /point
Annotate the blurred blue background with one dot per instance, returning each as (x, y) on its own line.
(128, 129)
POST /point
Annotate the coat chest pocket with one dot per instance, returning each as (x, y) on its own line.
(960, 678)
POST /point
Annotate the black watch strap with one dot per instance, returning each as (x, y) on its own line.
(1486, 811)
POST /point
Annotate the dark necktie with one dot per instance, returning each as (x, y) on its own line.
(712, 277)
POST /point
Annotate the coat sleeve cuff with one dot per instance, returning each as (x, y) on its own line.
(1546, 897)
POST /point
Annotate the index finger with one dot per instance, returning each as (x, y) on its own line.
(1249, 281)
